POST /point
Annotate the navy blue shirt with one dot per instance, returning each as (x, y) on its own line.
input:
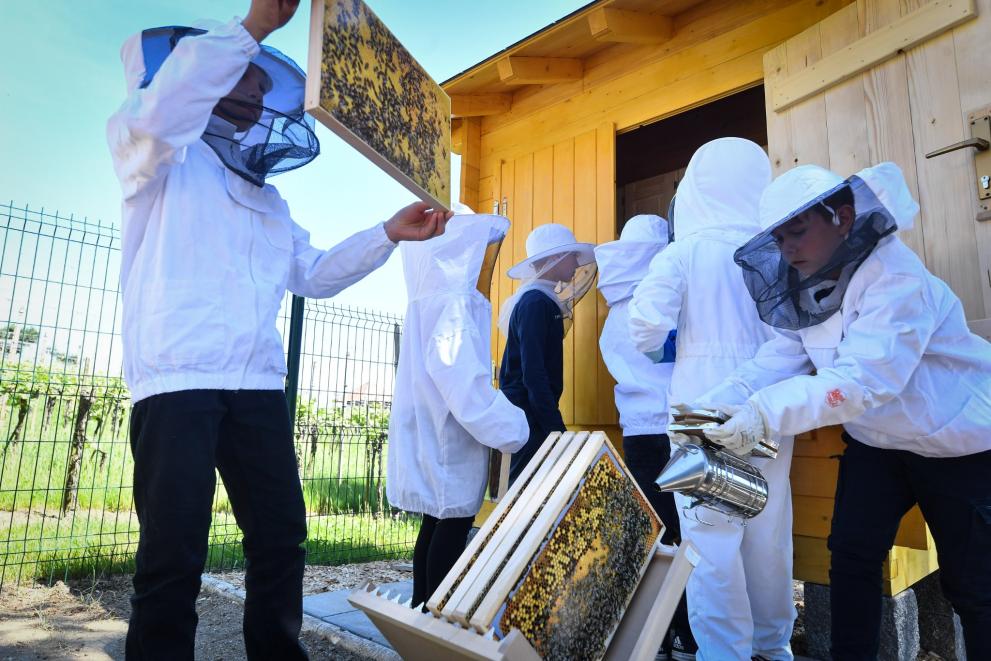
(532, 371)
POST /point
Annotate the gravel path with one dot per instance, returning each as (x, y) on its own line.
(83, 620)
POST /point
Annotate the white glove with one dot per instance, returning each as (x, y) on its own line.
(742, 432)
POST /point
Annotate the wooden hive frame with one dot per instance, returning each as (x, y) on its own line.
(354, 90)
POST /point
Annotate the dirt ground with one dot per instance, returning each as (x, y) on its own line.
(86, 621)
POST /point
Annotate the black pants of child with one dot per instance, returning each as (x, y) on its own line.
(538, 434)
(874, 490)
(178, 440)
(438, 546)
(645, 456)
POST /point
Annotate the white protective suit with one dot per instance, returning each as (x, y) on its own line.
(446, 414)
(897, 366)
(694, 285)
(641, 390)
(206, 256)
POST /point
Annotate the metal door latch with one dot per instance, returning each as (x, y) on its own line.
(979, 122)
(980, 144)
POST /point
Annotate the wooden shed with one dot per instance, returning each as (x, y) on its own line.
(594, 118)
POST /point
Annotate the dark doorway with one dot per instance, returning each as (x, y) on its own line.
(651, 160)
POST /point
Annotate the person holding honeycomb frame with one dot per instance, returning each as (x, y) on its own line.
(208, 251)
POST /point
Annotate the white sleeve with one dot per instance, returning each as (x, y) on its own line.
(874, 361)
(780, 358)
(319, 273)
(657, 300)
(463, 379)
(149, 132)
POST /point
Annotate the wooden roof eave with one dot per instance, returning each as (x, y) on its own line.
(568, 38)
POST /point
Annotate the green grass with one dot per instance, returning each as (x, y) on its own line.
(50, 549)
(349, 519)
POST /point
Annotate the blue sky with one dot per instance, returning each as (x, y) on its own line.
(61, 77)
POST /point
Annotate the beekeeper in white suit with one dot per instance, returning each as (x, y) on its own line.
(208, 252)
(642, 385)
(895, 364)
(446, 414)
(740, 595)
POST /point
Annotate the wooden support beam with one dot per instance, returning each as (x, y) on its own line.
(478, 105)
(631, 27)
(538, 70)
(457, 136)
(922, 24)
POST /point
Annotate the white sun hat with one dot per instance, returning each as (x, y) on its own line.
(546, 241)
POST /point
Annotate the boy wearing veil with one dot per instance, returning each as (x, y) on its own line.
(208, 252)
(895, 364)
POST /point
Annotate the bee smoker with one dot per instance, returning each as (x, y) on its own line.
(712, 476)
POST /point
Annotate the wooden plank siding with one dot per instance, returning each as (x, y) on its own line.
(646, 83)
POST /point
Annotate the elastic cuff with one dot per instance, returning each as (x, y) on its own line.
(384, 236)
(248, 45)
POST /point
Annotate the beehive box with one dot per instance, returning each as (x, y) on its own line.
(364, 86)
(556, 567)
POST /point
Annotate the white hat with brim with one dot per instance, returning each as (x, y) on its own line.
(796, 190)
(549, 240)
(806, 186)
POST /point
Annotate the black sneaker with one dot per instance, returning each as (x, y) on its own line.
(683, 646)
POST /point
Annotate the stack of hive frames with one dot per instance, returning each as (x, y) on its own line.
(560, 556)
(419, 636)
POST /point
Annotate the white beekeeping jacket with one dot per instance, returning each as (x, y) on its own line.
(641, 384)
(896, 365)
(206, 257)
(446, 414)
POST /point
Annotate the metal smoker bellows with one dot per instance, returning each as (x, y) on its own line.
(714, 477)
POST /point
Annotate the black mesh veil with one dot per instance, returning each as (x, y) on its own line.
(785, 299)
(254, 140)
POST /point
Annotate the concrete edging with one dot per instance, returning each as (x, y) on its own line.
(336, 636)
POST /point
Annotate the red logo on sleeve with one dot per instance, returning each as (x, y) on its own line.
(835, 397)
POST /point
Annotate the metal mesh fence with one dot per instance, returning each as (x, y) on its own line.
(65, 462)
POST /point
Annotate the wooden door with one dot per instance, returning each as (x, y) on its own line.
(901, 107)
(897, 110)
(573, 183)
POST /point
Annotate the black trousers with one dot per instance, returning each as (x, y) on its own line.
(646, 456)
(438, 546)
(519, 459)
(874, 490)
(178, 439)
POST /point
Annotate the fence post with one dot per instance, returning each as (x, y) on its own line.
(396, 341)
(295, 348)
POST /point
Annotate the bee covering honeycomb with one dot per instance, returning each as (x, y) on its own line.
(570, 600)
(373, 88)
